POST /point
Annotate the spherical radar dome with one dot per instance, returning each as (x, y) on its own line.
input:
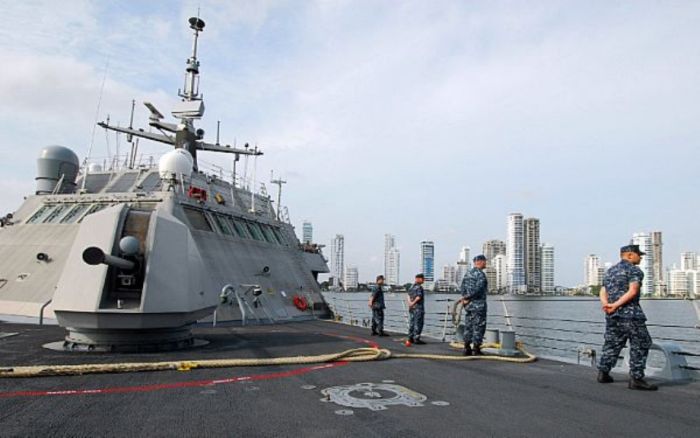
(176, 162)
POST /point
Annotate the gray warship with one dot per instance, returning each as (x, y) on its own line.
(132, 255)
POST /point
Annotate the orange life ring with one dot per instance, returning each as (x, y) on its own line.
(300, 303)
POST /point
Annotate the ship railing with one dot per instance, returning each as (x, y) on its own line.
(550, 336)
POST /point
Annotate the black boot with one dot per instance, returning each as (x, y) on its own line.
(641, 385)
(467, 349)
(381, 333)
(477, 350)
(418, 342)
(604, 377)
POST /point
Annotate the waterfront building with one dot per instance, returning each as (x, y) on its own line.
(427, 260)
(500, 273)
(647, 263)
(449, 274)
(658, 268)
(337, 259)
(307, 233)
(689, 261)
(682, 283)
(593, 271)
(492, 248)
(547, 252)
(464, 254)
(352, 278)
(532, 257)
(515, 253)
(391, 260)
(461, 270)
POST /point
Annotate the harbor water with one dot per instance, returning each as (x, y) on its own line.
(561, 328)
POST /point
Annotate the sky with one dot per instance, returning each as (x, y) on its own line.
(426, 120)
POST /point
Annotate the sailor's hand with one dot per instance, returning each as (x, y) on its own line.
(610, 308)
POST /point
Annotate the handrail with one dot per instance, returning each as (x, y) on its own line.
(41, 312)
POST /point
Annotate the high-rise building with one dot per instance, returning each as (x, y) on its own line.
(593, 271)
(427, 260)
(307, 232)
(464, 254)
(391, 260)
(352, 278)
(337, 259)
(678, 282)
(647, 263)
(500, 273)
(515, 253)
(462, 269)
(547, 252)
(533, 260)
(689, 261)
(449, 274)
(492, 248)
(393, 273)
(658, 254)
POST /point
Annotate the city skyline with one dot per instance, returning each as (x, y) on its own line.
(594, 267)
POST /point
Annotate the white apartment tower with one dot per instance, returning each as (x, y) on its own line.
(352, 278)
(515, 253)
(647, 265)
(498, 264)
(547, 252)
(689, 261)
(464, 254)
(593, 271)
(337, 259)
(391, 260)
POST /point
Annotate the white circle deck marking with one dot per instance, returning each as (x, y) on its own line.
(373, 396)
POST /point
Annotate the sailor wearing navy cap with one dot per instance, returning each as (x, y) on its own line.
(474, 288)
(625, 319)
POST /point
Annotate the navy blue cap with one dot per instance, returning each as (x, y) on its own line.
(480, 257)
(632, 248)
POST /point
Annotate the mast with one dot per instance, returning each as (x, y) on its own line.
(190, 108)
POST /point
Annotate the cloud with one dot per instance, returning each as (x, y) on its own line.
(420, 120)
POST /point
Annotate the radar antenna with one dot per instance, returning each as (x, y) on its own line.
(189, 109)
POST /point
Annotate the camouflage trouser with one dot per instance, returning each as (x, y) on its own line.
(377, 320)
(415, 323)
(474, 325)
(617, 331)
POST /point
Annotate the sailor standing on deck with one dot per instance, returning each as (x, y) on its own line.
(625, 319)
(473, 289)
(376, 303)
(416, 307)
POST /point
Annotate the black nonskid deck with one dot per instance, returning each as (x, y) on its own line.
(476, 398)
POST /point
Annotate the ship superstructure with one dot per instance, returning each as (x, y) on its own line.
(131, 254)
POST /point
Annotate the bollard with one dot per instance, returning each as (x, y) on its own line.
(508, 343)
(491, 336)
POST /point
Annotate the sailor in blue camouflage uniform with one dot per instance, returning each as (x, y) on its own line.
(625, 319)
(474, 288)
(376, 303)
(416, 308)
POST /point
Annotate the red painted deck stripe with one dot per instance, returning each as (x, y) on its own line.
(174, 385)
(196, 383)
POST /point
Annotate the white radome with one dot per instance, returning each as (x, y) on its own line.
(176, 162)
(94, 167)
